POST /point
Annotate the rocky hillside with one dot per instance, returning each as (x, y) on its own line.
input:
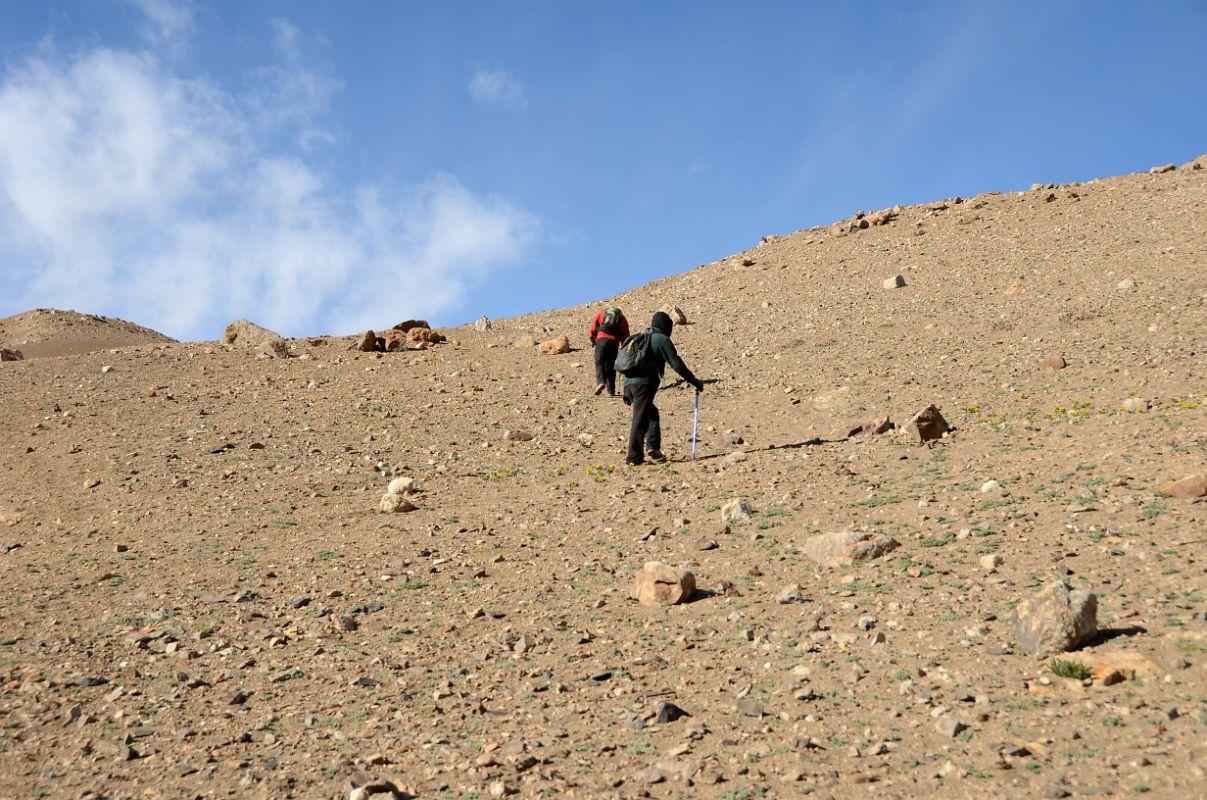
(49, 332)
(207, 599)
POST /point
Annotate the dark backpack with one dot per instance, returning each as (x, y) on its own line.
(635, 356)
(611, 321)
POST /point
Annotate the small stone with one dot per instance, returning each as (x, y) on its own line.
(344, 624)
(517, 435)
(669, 712)
(927, 425)
(1135, 404)
(949, 726)
(403, 485)
(675, 313)
(895, 282)
(749, 708)
(1053, 364)
(991, 487)
(106, 369)
(482, 324)
(1126, 284)
(395, 503)
(789, 594)
(555, 346)
(705, 545)
(990, 562)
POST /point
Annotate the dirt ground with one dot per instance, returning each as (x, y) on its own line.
(202, 598)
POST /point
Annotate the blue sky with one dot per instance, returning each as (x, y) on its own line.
(326, 167)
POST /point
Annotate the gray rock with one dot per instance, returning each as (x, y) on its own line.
(949, 726)
(482, 325)
(736, 512)
(1055, 620)
(248, 334)
(847, 547)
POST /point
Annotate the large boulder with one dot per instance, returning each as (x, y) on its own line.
(248, 334)
(848, 547)
(367, 342)
(1055, 620)
(411, 323)
(395, 340)
(658, 584)
(927, 425)
(1187, 488)
(482, 325)
(555, 346)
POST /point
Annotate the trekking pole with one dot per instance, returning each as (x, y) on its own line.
(695, 425)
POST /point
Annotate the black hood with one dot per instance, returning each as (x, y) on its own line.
(662, 323)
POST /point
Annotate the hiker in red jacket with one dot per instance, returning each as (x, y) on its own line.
(608, 330)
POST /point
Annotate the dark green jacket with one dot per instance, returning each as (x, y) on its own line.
(664, 353)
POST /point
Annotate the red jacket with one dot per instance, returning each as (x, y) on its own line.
(595, 332)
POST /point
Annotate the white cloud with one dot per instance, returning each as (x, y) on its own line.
(496, 87)
(130, 191)
(167, 21)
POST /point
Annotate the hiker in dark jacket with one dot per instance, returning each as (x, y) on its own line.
(608, 330)
(640, 388)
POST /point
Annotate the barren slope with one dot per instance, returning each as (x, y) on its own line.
(49, 332)
(172, 626)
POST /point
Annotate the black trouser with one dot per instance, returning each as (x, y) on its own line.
(646, 426)
(605, 362)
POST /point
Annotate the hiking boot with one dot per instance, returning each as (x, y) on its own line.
(657, 456)
(600, 389)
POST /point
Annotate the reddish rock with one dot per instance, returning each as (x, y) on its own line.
(367, 342)
(1188, 488)
(555, 346)
(421, 335)
(394, 341)
(1052, 364)
(411, 323)
(660, 585)
(865, 427)
(847, 547)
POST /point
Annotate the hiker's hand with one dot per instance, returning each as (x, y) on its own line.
(699, 384)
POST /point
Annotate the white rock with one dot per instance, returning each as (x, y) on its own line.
(1127, 283)
(990, 486)
(403, 485)
(895, 282)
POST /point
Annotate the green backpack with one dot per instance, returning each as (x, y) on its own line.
(636, 356)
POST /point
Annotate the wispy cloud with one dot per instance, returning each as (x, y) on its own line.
(129, 190)
(496, 88)
(166, 22)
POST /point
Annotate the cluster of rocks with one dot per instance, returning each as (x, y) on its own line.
(413, 334)
(925, 426)
(861, 221)
(398, 494)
